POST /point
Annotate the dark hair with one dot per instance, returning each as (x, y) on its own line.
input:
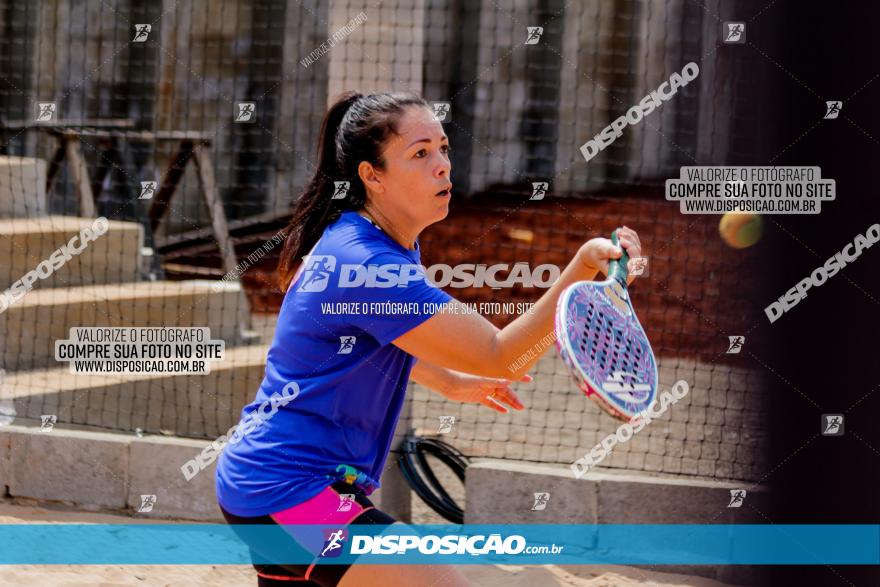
(354, 129)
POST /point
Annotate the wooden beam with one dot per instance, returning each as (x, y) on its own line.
(80, 177)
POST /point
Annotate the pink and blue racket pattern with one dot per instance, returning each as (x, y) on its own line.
(604, 345)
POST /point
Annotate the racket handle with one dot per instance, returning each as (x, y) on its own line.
(617, 268)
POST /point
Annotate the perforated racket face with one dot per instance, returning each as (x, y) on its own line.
(605, 347)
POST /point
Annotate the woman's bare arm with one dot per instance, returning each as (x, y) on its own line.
(470, 343)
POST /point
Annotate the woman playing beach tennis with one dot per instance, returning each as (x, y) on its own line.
(383, 176)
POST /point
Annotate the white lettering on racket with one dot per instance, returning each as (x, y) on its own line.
(626, 388)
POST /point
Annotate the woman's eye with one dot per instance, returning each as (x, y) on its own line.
(421, 153)
(444, 148)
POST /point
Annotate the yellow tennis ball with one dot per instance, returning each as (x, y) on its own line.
(741, 229)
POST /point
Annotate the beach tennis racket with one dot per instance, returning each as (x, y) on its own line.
(604, 345)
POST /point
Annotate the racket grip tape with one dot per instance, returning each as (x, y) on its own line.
(617, 268)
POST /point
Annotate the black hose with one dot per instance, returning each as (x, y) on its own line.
(421, 478)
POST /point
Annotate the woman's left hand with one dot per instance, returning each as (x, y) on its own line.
(487, 391)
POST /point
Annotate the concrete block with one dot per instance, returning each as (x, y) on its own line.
(504, 493)
(645, 499)
(154, 469)
(29, 328)
(186, 405)
(113, 257)
(497, 490)
(4, 461)
(22, 187)
(87, 468)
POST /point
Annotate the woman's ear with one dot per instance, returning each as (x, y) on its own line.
(370, 177)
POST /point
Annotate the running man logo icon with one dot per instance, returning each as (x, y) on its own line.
(833, 109)
(737, 498)
(316, 273)
(639, 266)
(141, 32)
(736, 344)
(735, 33)
(446, 424)
(245, 112)
(341, 190)
(832, 424)
(45, 111)
(148, 188)
(539, 189)
(534, 34)
(541, 500)
(147, 503)
(47, 422)
(333, 543)
(345, 502)
(346, 345)
(442, 111)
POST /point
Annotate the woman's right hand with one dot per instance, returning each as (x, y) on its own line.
(597, 252)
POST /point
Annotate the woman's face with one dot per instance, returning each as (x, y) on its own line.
(416, 169)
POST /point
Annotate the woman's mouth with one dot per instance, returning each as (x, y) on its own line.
(445, 192)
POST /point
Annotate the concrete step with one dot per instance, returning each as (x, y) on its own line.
(26, 242)
(22, 187)
(30, 327)
(203, 406)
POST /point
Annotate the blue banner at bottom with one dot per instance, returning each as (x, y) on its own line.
(623, 544)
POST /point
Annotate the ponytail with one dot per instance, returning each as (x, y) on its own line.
(353, 130)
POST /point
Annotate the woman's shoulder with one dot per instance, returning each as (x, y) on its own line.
(353, 240)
